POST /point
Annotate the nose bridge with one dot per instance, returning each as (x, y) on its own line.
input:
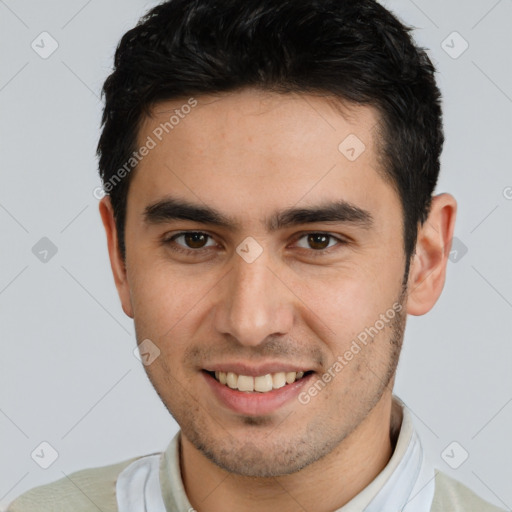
(254, 304)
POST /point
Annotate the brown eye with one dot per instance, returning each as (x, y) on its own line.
(320, 244)
(318, 240)
(191, 241)
(195, 240)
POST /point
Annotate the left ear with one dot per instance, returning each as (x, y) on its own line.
(428, 266)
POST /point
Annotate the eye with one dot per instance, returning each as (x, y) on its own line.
(196, 242)
(193, 242)
(320, 242)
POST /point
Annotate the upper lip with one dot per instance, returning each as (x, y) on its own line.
(256, 370)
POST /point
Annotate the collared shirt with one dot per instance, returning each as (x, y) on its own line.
(153, 484)
(406, 483)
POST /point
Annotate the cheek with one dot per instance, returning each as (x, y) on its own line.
(348, 298)
(352, 300)
(158, 298)
(166, 301)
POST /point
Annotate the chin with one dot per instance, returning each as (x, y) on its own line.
(266, 456)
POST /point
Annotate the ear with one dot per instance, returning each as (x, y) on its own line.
(116, 261)
(428, 266)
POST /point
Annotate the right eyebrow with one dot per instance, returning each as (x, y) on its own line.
(169, 209)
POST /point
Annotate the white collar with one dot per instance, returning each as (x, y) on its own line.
(407, 481)
(153, 483)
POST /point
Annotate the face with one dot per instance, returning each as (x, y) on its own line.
(257, 246)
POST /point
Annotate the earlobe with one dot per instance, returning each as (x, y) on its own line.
(117, 263)
(428, 266)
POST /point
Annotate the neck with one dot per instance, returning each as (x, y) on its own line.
(325, 485)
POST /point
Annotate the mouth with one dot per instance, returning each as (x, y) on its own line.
(260, 383)
(263, 393)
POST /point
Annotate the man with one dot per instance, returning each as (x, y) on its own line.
(270, 166)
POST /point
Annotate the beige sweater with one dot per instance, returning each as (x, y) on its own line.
(95, 489)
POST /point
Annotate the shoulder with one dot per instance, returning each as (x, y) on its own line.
(453, 496)
(82, 491)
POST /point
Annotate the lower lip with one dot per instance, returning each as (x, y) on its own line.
(255, 404)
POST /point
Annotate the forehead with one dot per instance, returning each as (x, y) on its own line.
(266, 121)
(252, 150)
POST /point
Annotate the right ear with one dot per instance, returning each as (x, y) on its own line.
(116, 261)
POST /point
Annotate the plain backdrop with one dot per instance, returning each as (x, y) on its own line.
(68, 375)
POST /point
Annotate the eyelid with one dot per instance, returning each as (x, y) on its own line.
(171, 238)
(336, 236)
(341, 241)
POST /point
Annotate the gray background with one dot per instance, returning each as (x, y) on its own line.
(68, 373)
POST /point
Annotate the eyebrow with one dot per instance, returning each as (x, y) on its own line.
(341, 211)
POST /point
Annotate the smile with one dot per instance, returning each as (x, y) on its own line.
(260, 383)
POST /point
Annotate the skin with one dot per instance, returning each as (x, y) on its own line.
(249, 154)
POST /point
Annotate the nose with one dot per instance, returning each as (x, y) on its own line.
(255, 303)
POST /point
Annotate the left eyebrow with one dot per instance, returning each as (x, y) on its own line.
(336, 211)
(341, 211)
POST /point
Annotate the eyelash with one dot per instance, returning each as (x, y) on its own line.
(170, 242)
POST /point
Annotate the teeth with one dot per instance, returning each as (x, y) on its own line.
(246, 383)
(232, 380)
(278, 380)
(290, 377)
(261, 384)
